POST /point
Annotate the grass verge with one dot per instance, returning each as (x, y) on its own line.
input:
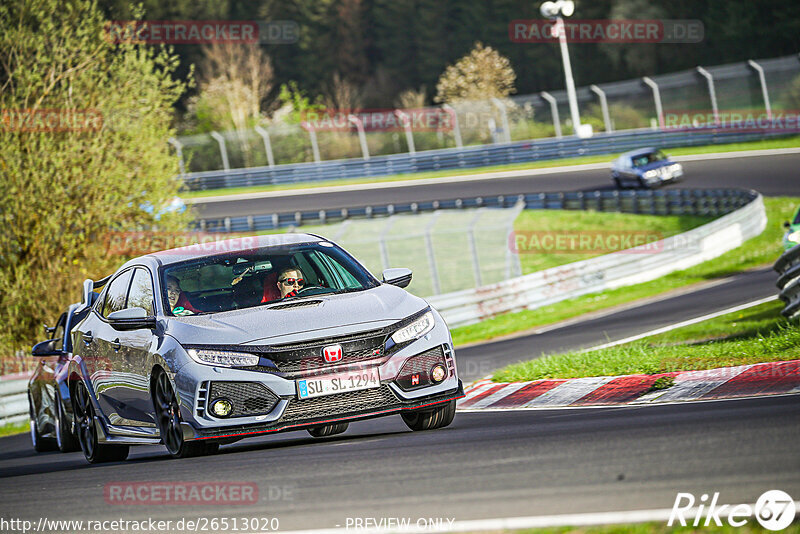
(14, 428)
(756, 252)
(789, 142)
(756, 335)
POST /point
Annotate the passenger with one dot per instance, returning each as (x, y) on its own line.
(178, 300)
(290, 281)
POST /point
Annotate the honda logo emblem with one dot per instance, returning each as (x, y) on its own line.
(332, 353)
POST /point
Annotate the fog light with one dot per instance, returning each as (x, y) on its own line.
(221, 407)
(438, 373)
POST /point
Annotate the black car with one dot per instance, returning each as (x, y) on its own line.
(49, 403)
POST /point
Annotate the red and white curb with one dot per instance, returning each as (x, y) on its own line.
(775, 378)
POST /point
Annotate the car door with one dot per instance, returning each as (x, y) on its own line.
(104, 349)
(135, 347)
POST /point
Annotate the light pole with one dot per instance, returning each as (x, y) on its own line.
(557, 11)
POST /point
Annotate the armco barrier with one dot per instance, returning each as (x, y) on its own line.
(606, 272)
(788, 267)
(465, 158)
(13, 400)
(659, 202)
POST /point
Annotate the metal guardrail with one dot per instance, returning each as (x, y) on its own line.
(464, 158)
(13, 400)
(711, 202)
(788, 267)
(609, 271)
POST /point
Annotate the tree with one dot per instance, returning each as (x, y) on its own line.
(84, 130)
(234, 80)
(481, 74)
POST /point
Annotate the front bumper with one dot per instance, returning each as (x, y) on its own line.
(343, 407)
(273, 404)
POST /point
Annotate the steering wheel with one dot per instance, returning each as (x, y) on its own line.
(306, 288)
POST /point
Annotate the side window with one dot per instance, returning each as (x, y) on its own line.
(141, 294)
(116, 293)
(59, 331)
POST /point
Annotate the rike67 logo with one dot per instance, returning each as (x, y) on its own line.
(774, 510)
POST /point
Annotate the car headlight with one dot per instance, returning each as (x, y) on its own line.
(794, 237)
(223, 358)
(651, 174)
(675, 167)
(418, 328)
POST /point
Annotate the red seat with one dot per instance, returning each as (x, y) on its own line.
(271, 291)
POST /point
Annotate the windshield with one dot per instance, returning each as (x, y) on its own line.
(254, 277)
(646, 159)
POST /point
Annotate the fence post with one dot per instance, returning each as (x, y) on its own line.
(604, 106)
(362, 138)
(473, 249)
(382, 242)
(267, 144)
(223, 150)
(513, 268)
(437, 289)
(312, 135)
(504, 117)
(553, 111)
(406, 121)
(179, 151)
(763, 81)
(711, 91)
(657, 98)
(456, 128)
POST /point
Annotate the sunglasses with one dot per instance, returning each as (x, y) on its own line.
(292, 281)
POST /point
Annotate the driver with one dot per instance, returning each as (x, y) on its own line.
(178, 300)
(290, 281)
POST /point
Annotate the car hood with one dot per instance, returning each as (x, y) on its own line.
(655, 165)
(311, 318)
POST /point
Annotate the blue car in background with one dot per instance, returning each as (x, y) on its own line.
(644, 168)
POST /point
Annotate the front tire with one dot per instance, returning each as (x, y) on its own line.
(167, 411)
(94, 451)
(431, 419)
(324, 431)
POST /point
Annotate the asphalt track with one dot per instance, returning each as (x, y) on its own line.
(485, 465)
(771, 175)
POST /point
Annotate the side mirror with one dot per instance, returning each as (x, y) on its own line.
(787, 225)
(131, 319)
(47, 348)
(399, 277)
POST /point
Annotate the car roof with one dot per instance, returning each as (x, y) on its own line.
(640, 151)
(226, 246)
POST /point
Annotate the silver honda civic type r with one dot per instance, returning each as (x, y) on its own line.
(208, 344)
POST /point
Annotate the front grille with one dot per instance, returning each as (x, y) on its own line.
(308, 356)
(339, 404)
(415, 373)
(248, 398)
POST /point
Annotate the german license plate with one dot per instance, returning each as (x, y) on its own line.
(338, 383)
